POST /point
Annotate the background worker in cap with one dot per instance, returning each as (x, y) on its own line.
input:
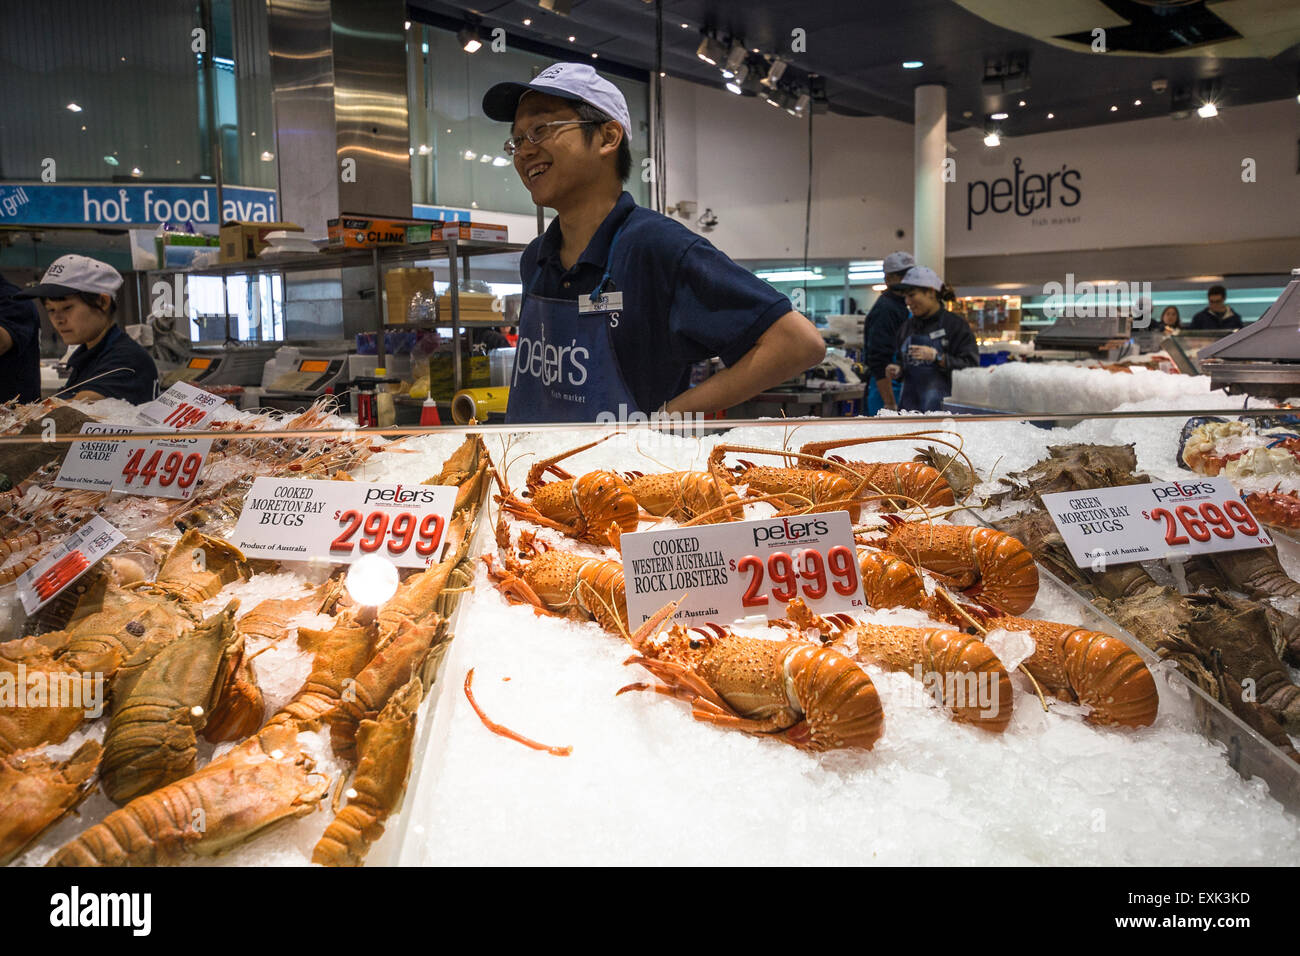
(931, 344)
(880, 334)
(77, 293)
(619, 301)
(20, 346)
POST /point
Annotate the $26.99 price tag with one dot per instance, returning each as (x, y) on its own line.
(300, 519)
(1154, 521)
(731, 571)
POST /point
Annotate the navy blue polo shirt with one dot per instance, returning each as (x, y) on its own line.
(20, 366)
(683, 300)
(118, 367)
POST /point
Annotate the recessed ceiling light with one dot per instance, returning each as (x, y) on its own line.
(1022, 102)
(267, 156)
(73, 107)
(572, 38)
(1114, 109)
(595, 56)
(912, 64)
(686, 26)
(1051, 116)
(406, 25)
(528, 21)
(1137, 102)
(1207, 110)
(661, 75)
(135, 171)
(1000, 116)
(992, 139)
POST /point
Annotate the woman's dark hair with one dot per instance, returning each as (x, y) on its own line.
(946, 294)
(90, 298)
(1178, 318)
(589, 114)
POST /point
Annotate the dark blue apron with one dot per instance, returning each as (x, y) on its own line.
(924, 384)
(566, 369)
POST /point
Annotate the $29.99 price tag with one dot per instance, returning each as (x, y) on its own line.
(300, 519)
(735, 570)
(1155, 521)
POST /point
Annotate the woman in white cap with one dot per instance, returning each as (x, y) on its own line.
(932, 343)
(620, 301)
(78, 295)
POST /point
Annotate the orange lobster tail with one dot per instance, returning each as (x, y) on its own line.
(888, 581)
(912, 479)
(975, 685)
(819, 487)
(992, 566)
(1092, 668)
(840, 704)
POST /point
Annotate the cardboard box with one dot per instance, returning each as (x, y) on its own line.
(351, 231)
(478, 231)
(429, 230)
(242, 241)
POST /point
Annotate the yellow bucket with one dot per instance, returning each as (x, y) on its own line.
(478, 403)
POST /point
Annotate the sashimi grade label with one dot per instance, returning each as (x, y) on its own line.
(683, 566)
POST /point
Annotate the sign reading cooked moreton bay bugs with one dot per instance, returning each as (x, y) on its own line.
(301, 519)
(731, 571)
(1153, 522)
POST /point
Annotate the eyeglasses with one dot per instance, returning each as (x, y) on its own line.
(538, 133)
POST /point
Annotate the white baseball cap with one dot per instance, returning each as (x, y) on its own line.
(922, 278)
(898, 262)
(68, 275)
(570, 81)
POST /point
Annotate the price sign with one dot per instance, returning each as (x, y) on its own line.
(69, 561)
(1151, 522)
(181, 406)
(162, 467)
(298, 519)
(94, 465)
(730, 571)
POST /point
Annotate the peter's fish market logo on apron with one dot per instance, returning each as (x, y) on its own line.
(550, 364)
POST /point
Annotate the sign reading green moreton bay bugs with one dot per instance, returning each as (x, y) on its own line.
(730, 571)
(1154, 521)
(302, 519)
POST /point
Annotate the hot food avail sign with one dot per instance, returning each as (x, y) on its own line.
(1152, 522)
(743, 568)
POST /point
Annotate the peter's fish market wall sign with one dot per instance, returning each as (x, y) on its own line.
(735, 570)
(298, 519)
(1025, 194)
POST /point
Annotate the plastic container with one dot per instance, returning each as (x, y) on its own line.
(502, 367)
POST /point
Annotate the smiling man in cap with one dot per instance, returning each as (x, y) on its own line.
(620, 301)
(78, 295)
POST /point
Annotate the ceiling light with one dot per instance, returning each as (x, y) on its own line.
(469, 39)
(267, 155)
(686, 26)
(735, 60)
(572, 39)
(410, 151)
(424, 149)
(485, 158)
(469, 154)
(500, 161)
(528, 21)
(1022, 102)
(662, 74)
(999, 116)
(1114, 109)
(135, 171)
(789, 275)
(992, 139)
(912, 64)
(879, 288)
(736, 83)
(774, 73)
(83, 129)
(406, 25)
(800, 105)
(1051, 116)
(711, 50)
(73, 107)
(1137, 102)
(111, 160)
(1207, 110)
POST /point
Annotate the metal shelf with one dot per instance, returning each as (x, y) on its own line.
(376, 257)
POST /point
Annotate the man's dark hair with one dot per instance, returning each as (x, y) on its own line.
(1217, 290)
(590, 114)
(90, 298)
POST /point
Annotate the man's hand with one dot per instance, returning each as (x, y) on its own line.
(791, 345)
(892, 371)
(885, 388)
(922, 353)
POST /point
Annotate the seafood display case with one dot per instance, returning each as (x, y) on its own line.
(987, 700)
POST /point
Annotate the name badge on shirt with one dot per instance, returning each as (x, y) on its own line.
(605, 302)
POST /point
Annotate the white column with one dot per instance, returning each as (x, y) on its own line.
(931, 139)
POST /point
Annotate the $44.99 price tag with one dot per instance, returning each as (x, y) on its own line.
(1151, 522)
(69, 561)
(162, 467)
(298, 519)
(730, 571)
